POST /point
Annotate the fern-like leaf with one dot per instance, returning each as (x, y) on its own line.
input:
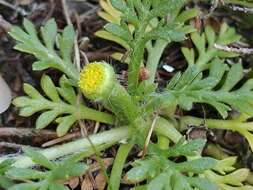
(192, 86)
(61, 105)
(205, 45)
(44, 49)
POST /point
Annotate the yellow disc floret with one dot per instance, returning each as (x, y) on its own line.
(96, 80)
(91, 78)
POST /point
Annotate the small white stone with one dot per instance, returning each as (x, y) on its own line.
(168, 68)
(5, 95)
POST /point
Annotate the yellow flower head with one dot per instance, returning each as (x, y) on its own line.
(97, 80)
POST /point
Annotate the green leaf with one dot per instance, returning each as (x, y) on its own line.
(161, 182)
(142, 170)
(119, 4)
(38, 158)
(18, 34)
(108, 36)
(197, 166)
(46, 54)
(186, 15)
(25, 186)
(44, 185)
(66, 171)
(180, 182)
(64, 124)
(28, 111)
(49, 88)
(237, 177)
(166, 7)
(210, 36)
(30, 29)
(187, 148)
(225, 165)
(25, 174)
(169, 32)
(189, 55)
(66, 42)
(66, 90)
(118, 31)
(55, 186)
(192, 87)
(185, 102)
(5, 182)
(31, 91)
(227, 35)
(202, 184)
(234, 75)
(5, 165)
(42, 65)
(205, 42)
(49, 32)
(46, 118)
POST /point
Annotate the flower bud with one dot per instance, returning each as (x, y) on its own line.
(97, 80)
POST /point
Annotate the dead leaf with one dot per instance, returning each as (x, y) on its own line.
(107, 163)
(87, 184)
(74, 182)
(100, 181)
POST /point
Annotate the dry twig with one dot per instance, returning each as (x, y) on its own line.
(235, 50)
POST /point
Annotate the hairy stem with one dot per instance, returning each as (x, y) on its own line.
(134, 66)
(210, 123)
(118, 165)
(233, 125)
(162, 142)
(165, 128)
(92, 114)
(101, 141)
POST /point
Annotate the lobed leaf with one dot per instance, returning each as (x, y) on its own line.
(38, 158)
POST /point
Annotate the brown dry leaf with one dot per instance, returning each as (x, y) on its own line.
(74, 182)
(100, 181)
(107, 163)
(87, 184)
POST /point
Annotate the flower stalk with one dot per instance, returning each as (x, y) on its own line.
(243, 128)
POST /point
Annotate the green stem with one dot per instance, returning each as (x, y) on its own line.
(134, 66)
(91, 114)
(118, 165)
(233, 125)
(162, 142)
(101, 141)
(154, 56)
(210, 123)
(165, 128)
(121, 104)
